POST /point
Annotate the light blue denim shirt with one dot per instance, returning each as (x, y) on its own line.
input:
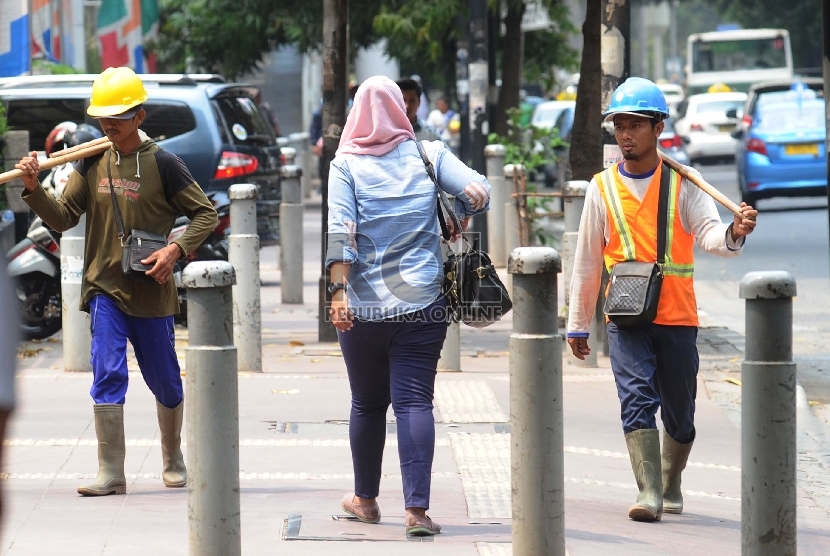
(383, 220)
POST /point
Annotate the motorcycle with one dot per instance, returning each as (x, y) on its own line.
(213, 248)
(36, 266)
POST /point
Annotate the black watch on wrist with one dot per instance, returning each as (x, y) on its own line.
(334, 286)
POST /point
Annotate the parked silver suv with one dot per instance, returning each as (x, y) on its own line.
(215, 127)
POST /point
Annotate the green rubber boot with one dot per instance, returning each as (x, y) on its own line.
(174, 473)
(675, 456)
(109, 428)
(644, 451)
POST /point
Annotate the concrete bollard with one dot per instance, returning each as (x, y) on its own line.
(511, 217)
(536, 417)
(302, 143)
(498, 197)
(768, 417)
(243, 254)
(291, 236)
(77, 339)
(290, 153)
(243, 208)
(450, 359)
(212, 405)
(573, 199)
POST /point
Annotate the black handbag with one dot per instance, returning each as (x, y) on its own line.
(137, 246)
(474, 292)
(634, 287)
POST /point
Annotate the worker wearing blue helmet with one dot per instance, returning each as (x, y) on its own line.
(655, 362)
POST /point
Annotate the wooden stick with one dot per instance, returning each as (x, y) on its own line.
(80, 147)
(537, 194)
(701, 183)
(57, 161)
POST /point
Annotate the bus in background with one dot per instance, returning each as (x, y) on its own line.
(738, 58)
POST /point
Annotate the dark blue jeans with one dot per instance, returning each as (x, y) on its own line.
(656, 366)
(394, 361)
(153, 341)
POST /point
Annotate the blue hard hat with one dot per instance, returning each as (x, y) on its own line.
(640, 97)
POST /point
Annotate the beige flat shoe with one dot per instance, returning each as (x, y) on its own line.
(367, 513)
(421, 527)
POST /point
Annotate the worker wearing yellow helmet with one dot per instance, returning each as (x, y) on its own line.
(719, 88)
(150, 187)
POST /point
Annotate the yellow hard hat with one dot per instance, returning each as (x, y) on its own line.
(719, 88)
(115, 92)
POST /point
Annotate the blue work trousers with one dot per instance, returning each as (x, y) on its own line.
(394, 361)
(153, 341)
(656, 366)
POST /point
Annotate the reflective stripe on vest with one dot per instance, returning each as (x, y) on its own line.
(677, 302)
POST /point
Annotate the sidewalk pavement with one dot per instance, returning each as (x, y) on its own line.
(296, 465)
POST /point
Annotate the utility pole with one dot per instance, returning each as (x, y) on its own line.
(478, 69)
(335, 72)
(825, 18)
(615, 59)
(462, 87)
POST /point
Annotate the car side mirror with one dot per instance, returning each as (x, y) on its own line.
(737, 134)
(732, 113)
(686, 139)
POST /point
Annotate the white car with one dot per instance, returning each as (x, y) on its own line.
(703, 120)
(546, 113)
(674, 96)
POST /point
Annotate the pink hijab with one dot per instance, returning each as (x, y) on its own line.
(377, 122)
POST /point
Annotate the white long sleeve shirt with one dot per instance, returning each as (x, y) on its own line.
(698, 215)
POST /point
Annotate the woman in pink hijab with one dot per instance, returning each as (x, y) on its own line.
(386, 265)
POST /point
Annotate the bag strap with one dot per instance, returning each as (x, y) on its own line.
(444, 207)
(663, 213)
(118, 220)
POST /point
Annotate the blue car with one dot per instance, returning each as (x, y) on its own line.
(782, 152)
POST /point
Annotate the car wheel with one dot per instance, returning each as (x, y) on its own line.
(749, 198)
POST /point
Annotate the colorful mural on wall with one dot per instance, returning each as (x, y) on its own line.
(124, 27)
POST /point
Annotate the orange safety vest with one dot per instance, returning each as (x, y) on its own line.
(633, 237)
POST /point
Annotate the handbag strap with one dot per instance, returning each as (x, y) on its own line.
(663, 213)
(444, 207)
(118, 220)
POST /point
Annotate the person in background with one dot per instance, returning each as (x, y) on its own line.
(268, 112)
(315, 137)
(423, 107)
(441, 116)
(411, 91)
(391, 318)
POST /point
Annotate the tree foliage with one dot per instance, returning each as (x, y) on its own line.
(232, 36)
(802, 19)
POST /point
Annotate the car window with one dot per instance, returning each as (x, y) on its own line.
(790, 116)
(719, 106)
(243, 122)
(167, 119)
(668, 126)
(564, 123)
(786, 96)
(546, 116)
(40, 116)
